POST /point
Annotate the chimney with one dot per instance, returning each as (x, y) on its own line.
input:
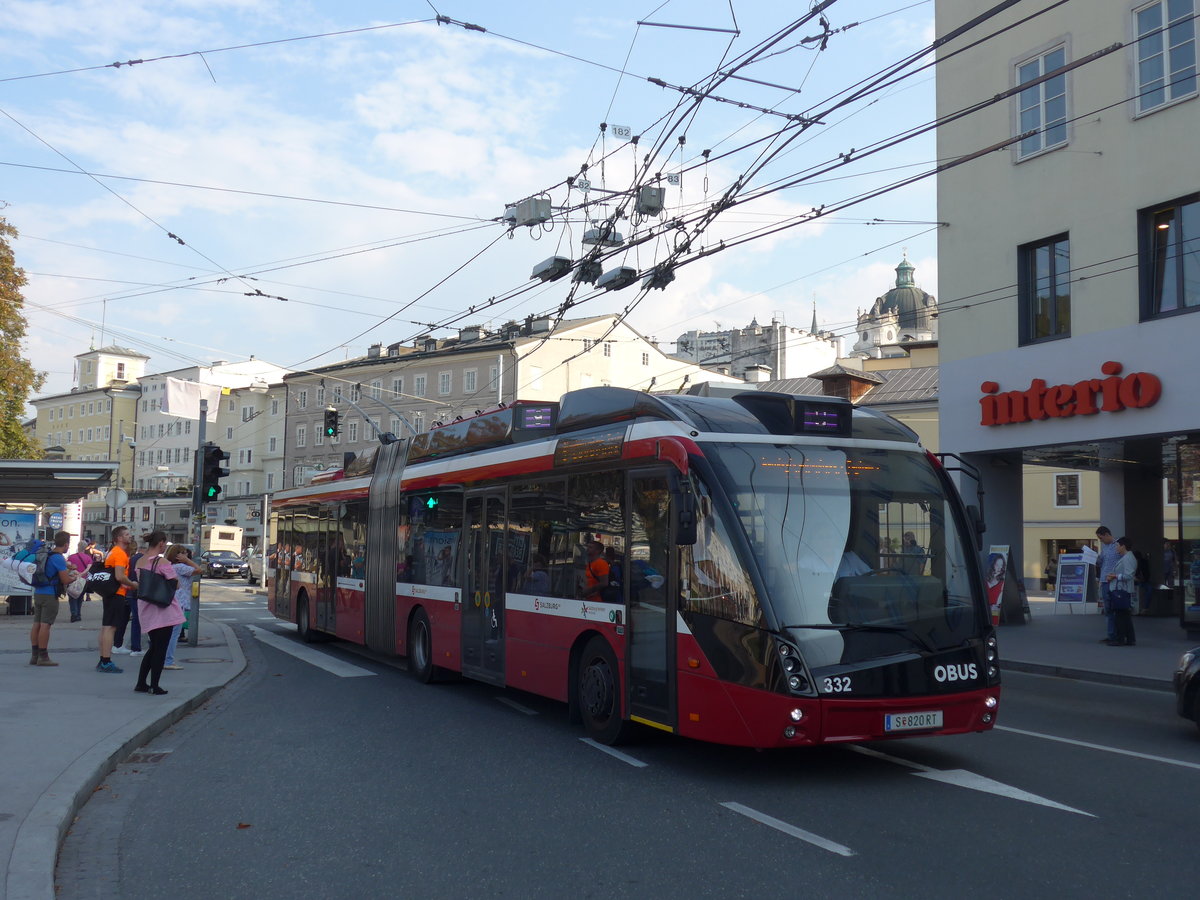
(374, 350)
(757, 374)
(470, 333)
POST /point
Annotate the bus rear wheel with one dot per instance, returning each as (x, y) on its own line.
(599, 693)
(420, 648)
(303, 629)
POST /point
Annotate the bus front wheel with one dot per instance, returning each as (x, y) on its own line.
(599, 693)
(420, 647)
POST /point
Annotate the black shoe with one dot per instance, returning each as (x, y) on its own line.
(157, 691)
(1106, 640)
(141, 689)
(1115, 643)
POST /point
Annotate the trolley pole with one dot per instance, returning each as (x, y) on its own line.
(197, 519)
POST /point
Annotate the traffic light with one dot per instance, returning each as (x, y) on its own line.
(333, 422)
(214, 471)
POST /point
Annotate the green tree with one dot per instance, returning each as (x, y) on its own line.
(18, 378)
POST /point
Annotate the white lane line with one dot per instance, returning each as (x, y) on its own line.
(267, 619)
(226, 619)
(307, 654)
(512, 704)
(615, 754)
(1062, 740)
(963, 778)
(815, 839)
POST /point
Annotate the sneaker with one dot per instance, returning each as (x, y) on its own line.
(111, 667)
(137, 653)
(119, 650)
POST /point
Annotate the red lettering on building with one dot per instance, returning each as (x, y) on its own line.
(1136, 390)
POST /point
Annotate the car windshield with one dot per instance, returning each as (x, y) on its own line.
(859, 550)
(224, 556)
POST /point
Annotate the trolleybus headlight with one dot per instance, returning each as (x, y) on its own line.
(991, 642)
(993, 671)
(795, 682)
(796, 714)
(789, 731)
(991, 702)
(991, 655)
(791, 664)
(785, 650)
(987, 717)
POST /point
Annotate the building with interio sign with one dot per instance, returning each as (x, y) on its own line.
(1069, 264)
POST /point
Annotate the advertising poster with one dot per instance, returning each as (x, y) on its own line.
(995, 574)
(1074, 575)
(15, 531)
(441, 557)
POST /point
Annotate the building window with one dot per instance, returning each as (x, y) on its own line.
(470, 381)
(352, 432)
(1166, 52)
(376, 389)
(247, 413)
(120, 371)
(419, 385)
(318, 435)
(302, 400)
(228, 433)
(645, 359)
(1170, 258)
(271, 444)
(301, 436)
(494, 376)
(320, 395)
(1044, 288)
(395, 425)
(397, 387)
(337, 394)
(608, 348)
(1042, 108)
(356, 392)
(1066, 490)
(270, 481)
(444, 383)
(419, 423)
(274, 407)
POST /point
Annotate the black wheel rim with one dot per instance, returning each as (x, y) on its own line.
(597, 690)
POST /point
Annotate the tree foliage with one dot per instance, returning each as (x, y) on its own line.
(18, 378)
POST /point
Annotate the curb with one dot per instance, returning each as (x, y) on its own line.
(35, 849)
(1137, 681)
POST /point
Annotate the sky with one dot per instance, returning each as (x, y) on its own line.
(295, 181)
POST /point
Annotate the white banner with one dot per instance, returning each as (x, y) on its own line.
(182, 398)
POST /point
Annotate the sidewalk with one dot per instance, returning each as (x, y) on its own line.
(1059, 642)
(66, 728)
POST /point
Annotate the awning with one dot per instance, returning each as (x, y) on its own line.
(51, 482)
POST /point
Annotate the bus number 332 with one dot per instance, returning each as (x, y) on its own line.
(838, 684)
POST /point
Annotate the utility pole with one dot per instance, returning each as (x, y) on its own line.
(197, 519)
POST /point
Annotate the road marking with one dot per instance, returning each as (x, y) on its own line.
(615, 754)
(226, 619)
(307, 654)
(815, 839)
(1062, 740)
(963, 778)
(517, 706)
(266, 618)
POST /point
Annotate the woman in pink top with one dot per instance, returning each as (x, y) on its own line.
(80, 561)
(157, 621)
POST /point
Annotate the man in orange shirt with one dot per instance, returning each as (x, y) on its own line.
(114, 606)
(596, 571)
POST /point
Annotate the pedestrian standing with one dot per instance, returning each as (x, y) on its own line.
(114, 606)
(130, 618)
(46, 599)
(156, 620)
(1105, 563)
(82, 561)
(1122, 580)
(185, 569)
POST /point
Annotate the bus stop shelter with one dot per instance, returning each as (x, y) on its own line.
(51, 482)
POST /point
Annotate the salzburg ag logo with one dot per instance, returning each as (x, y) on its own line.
(1137, 390)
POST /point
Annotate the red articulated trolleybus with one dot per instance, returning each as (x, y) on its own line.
(763, 570)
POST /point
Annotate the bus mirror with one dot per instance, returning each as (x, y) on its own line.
(674, 452)
(683, 502)
(978, 526)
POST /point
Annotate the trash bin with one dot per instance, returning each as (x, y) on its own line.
(20, 604)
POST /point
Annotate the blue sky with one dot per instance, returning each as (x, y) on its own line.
(358, 175)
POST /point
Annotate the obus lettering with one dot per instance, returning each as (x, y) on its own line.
(1137, 390)
(956, 672)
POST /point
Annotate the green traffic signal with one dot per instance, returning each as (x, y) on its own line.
(213, 471)
(333, 425)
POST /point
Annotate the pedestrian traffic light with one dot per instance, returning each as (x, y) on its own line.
(214, 470)
(333, 422)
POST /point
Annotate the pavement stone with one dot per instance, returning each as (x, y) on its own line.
(67, 727)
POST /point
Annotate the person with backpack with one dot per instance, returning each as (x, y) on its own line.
(50, 579)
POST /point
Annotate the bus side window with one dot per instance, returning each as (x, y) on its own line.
(537, 517)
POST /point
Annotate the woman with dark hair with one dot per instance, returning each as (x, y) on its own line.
(1120, 592)
(997, 567)
(157, 621)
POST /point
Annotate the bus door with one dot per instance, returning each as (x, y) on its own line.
(281, 586)
(326, 535)
(484, 516)
(652, 581)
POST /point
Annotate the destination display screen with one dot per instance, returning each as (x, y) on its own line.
(814, 417)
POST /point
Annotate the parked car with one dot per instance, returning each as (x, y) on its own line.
(222, 564)
(254, 568)
(1187, 685)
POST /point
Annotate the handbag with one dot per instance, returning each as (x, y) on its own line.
(1119, 599)
(156, 588)
(102, 582)
(75, 588)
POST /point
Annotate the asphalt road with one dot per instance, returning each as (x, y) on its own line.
(349, 779)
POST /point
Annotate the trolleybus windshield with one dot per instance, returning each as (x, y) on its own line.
(860, 551)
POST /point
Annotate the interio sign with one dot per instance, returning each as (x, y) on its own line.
(1136, 390)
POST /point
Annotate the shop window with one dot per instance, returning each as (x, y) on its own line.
(1165, 53)
(1044, 289)
(1066, 490)
(1169, 245)
(1042, 107)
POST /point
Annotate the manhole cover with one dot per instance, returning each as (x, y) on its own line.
(205, 660)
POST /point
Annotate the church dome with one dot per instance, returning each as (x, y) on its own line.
(914, 308)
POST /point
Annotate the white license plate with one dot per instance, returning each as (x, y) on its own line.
(913, 721)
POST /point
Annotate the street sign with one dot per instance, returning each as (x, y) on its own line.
(55, 521)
